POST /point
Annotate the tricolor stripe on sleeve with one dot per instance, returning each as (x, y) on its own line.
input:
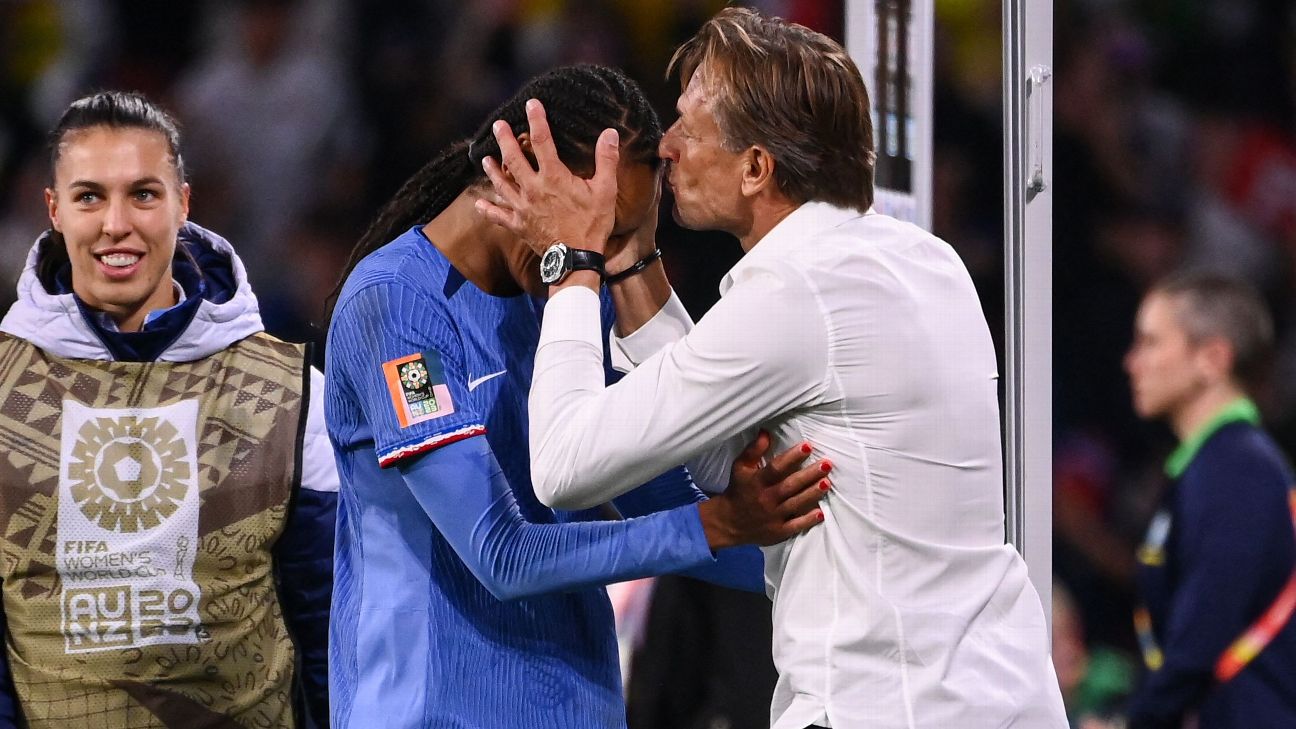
(393, 457)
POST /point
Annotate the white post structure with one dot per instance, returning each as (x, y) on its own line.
(1028, 284)
(891, 42)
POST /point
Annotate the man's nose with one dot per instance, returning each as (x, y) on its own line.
(666, 148)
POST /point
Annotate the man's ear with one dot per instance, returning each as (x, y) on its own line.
(757, 170)
(51, 204)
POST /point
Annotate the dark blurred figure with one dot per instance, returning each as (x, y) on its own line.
(315, 249)
(707, 664)
(1095, 679)
(274, 131)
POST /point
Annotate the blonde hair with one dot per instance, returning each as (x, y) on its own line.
(793, 91)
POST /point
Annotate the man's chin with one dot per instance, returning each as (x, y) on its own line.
(683, 221)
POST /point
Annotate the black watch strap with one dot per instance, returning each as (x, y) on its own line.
(583, 260)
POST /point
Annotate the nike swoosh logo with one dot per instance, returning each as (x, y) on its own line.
(473, 384)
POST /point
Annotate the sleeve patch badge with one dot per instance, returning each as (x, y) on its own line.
(418, 388)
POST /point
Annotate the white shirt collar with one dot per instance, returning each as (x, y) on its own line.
(789, 234)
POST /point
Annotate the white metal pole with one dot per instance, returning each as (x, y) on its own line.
(1028, 284)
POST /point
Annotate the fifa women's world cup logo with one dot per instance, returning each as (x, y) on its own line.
(413, 375)
(128, 474)
(128, 510)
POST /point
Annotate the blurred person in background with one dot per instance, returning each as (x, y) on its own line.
(168, 491)
(274, 135)
(703, 659)
(1218, 561)
(841, 326)
(1095, 679)
(461, 600)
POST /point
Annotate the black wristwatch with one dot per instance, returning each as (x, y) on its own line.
(559, 260)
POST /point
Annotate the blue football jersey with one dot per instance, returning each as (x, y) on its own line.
(418, 357)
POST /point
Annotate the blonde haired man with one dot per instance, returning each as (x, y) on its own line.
(852, 330)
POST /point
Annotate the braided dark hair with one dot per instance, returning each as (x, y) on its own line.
(580, 102)
(115, 110)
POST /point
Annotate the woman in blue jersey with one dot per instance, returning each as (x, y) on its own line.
(461, 601)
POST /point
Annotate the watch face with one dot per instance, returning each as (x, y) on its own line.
(553, 263)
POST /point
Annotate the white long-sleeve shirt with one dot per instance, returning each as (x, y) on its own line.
(864, 336)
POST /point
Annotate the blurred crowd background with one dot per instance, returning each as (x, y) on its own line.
(1175, 146)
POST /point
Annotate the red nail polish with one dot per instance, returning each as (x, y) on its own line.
(823, 485)
(819, 516)
(825, 466)
(805, 448)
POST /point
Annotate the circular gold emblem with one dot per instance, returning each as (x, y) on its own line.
(128, 474)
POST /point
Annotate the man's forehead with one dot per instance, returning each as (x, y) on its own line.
(698, 90)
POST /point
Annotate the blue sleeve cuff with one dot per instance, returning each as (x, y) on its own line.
(414, 448)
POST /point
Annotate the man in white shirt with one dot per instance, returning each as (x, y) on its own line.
(842, 327)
